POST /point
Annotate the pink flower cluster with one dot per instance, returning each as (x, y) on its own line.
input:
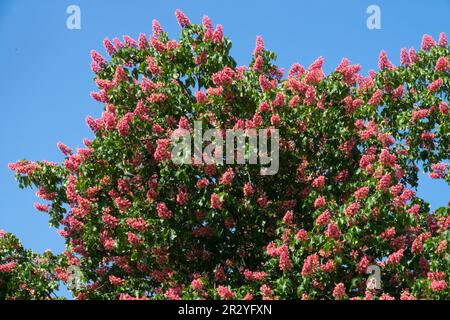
(163, 211)
(7, 267)
(438, 170)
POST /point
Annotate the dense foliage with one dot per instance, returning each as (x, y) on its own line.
(24, 274)
(139, 226)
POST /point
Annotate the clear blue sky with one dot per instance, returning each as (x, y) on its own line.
(45, 79)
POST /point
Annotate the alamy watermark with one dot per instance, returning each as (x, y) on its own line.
(374, 20)
(73, 21)
(374, 279)
(75, 276)
(241, 147)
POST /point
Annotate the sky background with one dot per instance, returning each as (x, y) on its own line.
(45, 78)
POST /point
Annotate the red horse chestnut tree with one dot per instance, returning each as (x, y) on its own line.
(139, 226)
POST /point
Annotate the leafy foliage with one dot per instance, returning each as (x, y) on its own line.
(24, 274)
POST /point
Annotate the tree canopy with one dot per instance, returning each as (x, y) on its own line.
(139, 226)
